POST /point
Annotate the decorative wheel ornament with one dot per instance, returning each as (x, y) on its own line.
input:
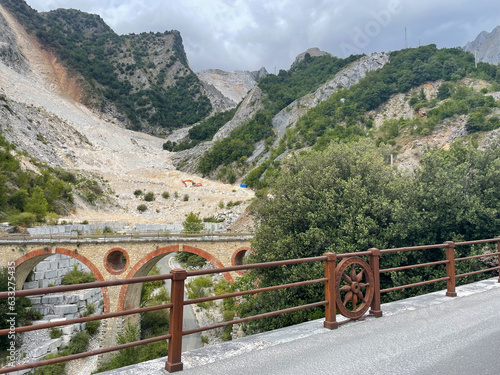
(354, 287)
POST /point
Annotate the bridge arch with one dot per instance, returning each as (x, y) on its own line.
(239, 255)
(28, 261)
(130, 295)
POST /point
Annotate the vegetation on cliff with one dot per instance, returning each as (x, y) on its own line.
(343, 116)
(282, 89)
(27, 197)
(146, 76)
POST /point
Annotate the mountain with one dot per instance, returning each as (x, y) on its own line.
(126, 114)
(486, 46)
(50, 129)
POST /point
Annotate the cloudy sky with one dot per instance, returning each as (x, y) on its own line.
(250, 34)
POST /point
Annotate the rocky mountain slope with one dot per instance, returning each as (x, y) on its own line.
(40, 116)
(486, 46)
(227, 89)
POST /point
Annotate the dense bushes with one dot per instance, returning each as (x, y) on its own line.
(26, 197)
(348, 198)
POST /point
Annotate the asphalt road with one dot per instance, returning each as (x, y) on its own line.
(458, 337)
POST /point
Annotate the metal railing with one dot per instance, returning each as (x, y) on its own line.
(333, 276)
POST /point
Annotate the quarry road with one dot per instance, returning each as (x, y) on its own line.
(430, 334)
(189, 342)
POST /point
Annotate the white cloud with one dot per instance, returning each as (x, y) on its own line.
(248, 34)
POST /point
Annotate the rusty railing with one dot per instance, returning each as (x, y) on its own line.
(350, 293)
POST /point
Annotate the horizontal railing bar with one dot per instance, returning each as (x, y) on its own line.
(423, 247)
(480, 271)
(72, 357)
(414, 266)
(477, 242)
(36, 327)
(256, 265)
(254, 291)
(415, 284)
(92, 285)
(476, 256)
(254, 317)
(347, 255)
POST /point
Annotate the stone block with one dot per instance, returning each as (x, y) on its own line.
(41, 350)
(85, 295)
(44, 310)
(43, 283)
(52, 274)
(31, 285)
(64, 263)
(72, 298)
(42, 266)
(66, 340)
(65, 309)
(67, 330)
(54, 344)
(35, 300)
(54, 317)
(40, 275)
(53, 299)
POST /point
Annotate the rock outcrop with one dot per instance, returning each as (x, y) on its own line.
(486, 46)
(9, 50)
(226, 89)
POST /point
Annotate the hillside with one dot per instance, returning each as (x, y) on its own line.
(59, 111)
(141, 81)
(350, 106)
(40, 117)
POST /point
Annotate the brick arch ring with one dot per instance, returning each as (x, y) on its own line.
(47, 252)
(146, 264)
(237, 257)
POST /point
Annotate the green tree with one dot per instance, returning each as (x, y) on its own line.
(193, 223)
(342, 199)
(37, 203)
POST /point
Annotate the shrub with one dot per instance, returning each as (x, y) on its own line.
(186, 197)
(24, 219)
(76, 276)
(190, 260)
(142, 207)
(92, 327)
(165, 195)
(138, 192)
(149, 197)
(55, 333)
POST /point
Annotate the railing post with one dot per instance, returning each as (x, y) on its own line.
(174, 362)
(375, 266)
(450, 269)
(330, 292)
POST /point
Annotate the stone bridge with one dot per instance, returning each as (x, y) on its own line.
(111, 258)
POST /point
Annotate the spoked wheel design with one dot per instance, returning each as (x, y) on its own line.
(354, 287)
